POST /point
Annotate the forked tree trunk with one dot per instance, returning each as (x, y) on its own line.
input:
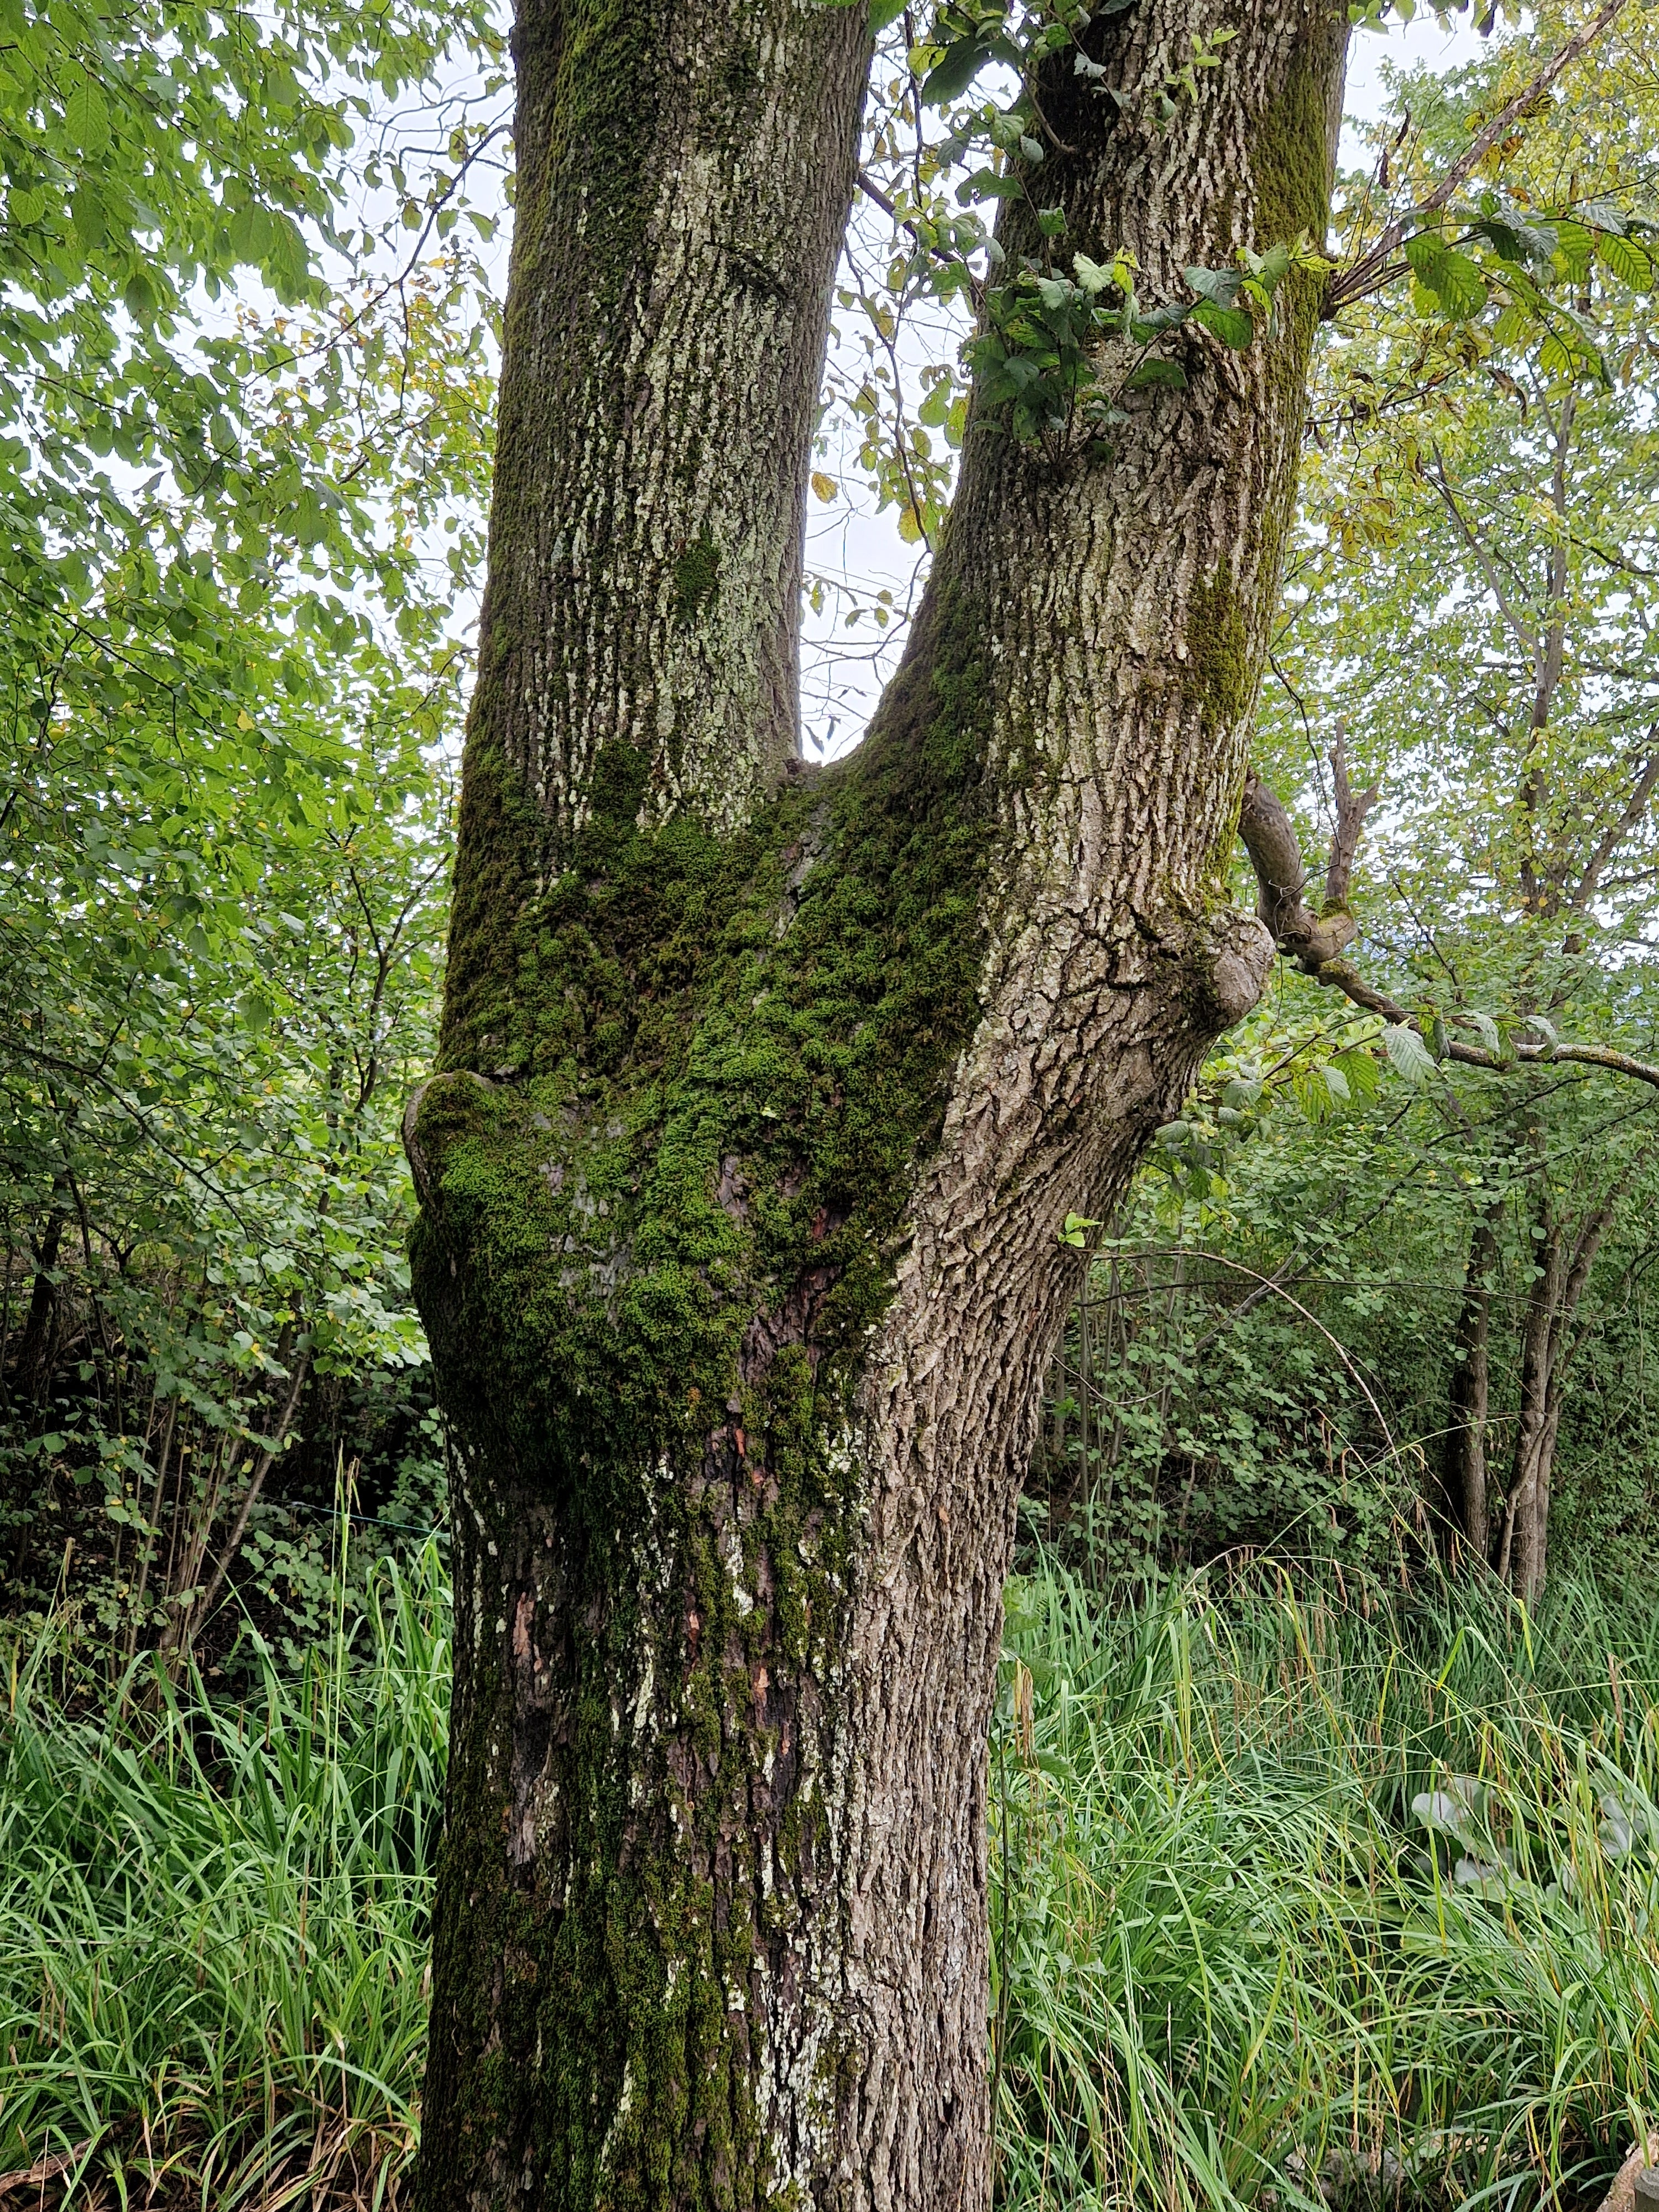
(1464, 1456)
(765, 1094)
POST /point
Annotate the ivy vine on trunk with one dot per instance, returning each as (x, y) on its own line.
(765, 1092)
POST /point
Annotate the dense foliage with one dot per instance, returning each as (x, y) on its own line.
(249, 377)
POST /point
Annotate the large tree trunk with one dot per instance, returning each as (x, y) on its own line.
(765, 1094)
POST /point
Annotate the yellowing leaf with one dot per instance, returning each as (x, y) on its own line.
(824, 487)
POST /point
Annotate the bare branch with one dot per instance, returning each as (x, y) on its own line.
(1342, 975)
(1270, 840)
(1316, 943)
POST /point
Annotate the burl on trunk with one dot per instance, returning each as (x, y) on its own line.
(764, 1091)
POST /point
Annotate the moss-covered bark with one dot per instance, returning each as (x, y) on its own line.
(763, 1093)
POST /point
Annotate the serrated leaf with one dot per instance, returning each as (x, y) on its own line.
(1408, 1055)
(1360, 1067)
(1575, 245)
(88, 214)
(86, 116)
(1488, 1032)
(1624, 258)
(1455, 280)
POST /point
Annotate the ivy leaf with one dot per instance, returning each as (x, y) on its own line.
(1219, 286)
(951, 77)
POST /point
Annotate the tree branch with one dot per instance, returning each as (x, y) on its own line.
(1317, 942)
(1270, 840)
(1372, 267)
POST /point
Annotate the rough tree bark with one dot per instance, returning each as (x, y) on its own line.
(764, 1094)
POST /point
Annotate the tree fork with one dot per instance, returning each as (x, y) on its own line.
(764, 1092)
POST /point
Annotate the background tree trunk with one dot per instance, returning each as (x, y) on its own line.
(1548, 1342)
(764, 1094)
(1523, 1558)
(1463, 1460)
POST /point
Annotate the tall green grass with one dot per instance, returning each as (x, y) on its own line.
(1236, 1964)
(1305, 1898)
(213, 1921)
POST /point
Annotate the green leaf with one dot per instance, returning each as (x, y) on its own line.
(88, 214)
(1452, 277)
(951, 77)
(1410, 1057)
(86, 116)
(1219, 286)
(1168, 373)
(1574, 247)
(1623, 258)
(1232, 325)
(882, 13)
